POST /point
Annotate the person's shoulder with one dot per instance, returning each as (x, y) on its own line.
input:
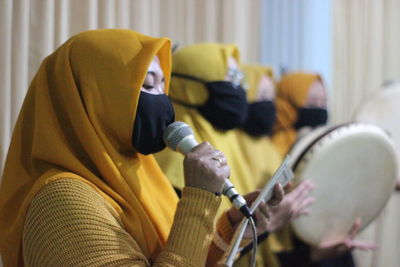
(69, 223)
(66, 224)
(71, 198)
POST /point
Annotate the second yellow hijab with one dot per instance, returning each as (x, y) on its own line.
(209, 62)
(77, 122)
(259, 153)
(292, 94)
(263, 159)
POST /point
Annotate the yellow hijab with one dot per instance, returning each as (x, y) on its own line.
(291, 95)
(209, 62)
(263, 159)
(77, 122)
(259, 152)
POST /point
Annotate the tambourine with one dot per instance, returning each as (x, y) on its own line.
(354, 168)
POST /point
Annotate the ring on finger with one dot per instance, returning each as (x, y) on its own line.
(219, 159)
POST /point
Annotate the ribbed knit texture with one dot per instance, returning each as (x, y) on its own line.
(69, 224)
(226, 232)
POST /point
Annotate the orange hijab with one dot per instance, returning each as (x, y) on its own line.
(291, 95)
(77, 122)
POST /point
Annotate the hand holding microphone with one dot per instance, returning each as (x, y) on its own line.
(202, 170)
(205, 167)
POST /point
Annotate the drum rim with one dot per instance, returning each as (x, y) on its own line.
(316, 140)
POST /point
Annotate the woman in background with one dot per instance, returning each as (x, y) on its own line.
(208, 95)
(262, 157)
(301, 103)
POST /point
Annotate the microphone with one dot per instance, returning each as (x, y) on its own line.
(179, 137)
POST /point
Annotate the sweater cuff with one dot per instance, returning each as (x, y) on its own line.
(224, 228)
(193, 226)
(226, 231)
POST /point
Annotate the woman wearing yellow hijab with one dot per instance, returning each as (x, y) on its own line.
(253, 137)
(80, 187)
(207, 95)
(261, 156)
(212, 109)
(256, 148)
(300, 102)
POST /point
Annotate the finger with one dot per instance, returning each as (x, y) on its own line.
(304, 203)
(203, 148)
(264, 210)
(277, 196)
(224, 172)
(261, 219)
(302, 212)
(302, 190)
(288, 186)
(223, 158)
(216, 157)
(354, 229)
(302, 200)
(250, 197)
(363, 245)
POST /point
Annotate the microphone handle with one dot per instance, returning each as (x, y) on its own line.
(185, 146)
(237, 200)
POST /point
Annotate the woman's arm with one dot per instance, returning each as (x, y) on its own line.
(70, 224)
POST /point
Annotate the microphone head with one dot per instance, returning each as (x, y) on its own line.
(175, 132)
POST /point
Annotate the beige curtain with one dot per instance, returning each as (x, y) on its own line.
(32, 29)
(366, 51)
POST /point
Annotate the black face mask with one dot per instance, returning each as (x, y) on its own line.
(311, 117)
(154, 113)
(260, 118)
(226, 105)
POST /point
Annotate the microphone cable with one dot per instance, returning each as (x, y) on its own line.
(254, 230)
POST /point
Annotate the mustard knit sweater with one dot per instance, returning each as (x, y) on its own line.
(70, 224)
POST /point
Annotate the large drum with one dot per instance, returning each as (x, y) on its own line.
(354, 168)
(382, 109)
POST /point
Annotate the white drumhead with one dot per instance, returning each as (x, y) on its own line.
(354, 169)
(382, 109)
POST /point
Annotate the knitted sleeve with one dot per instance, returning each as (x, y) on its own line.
(69, 224)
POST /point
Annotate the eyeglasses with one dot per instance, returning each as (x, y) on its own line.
(236, 77)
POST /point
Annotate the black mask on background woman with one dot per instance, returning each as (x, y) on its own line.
(226, 106)
(260, 118)
(154, 113)
(311, 117)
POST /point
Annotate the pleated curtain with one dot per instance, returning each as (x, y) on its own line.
(32, 29)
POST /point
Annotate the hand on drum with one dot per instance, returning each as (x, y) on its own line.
(262, 213)
(295, 204)
(331, 249)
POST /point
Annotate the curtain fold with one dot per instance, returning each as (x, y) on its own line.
(32, 29)
(366, 52)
